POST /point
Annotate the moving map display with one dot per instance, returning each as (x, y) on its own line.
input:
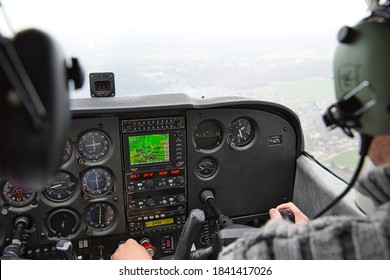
(150, 148)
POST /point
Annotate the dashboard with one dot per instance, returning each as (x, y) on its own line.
(135, 167)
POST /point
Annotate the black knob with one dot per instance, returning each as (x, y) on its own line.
(181, 198)
(179, 123)
(181, 181)
(150, 202)
(180, 209)
(346, 35)
(149, 184)
(129, 127)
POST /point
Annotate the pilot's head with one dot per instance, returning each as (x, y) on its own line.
(362, 75)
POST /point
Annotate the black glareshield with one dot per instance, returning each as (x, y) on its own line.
(32, 145)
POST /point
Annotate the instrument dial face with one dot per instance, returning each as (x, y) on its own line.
(207, 167)
(100, 216)
(241, 132)
(67, 152)
(93, 145)
(17, 196)
(208, 135)
(63, 222)
(96, 181)
(62, 188)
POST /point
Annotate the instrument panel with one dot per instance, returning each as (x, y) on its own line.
(137, 171)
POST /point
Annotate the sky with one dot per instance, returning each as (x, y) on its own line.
(124, 36)
(187, 18)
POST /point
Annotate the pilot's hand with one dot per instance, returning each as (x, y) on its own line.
(131, 250)
(298, 215)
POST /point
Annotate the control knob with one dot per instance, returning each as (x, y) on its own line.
(149, 184)
(181, 210)
(145, 242)
(150, 202)
(181, 199)
(181, 181)
(178, 123)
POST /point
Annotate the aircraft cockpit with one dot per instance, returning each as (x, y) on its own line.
(180, 136)
(137, 167)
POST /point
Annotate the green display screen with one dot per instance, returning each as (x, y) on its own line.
(150, 148)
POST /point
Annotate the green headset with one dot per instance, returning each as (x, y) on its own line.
(362, 76)
(361, 70)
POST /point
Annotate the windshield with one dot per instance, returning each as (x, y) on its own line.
(277, 51)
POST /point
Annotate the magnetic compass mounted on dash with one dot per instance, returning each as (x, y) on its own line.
(102, 84)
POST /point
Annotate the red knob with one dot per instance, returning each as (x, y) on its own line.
(149, 247)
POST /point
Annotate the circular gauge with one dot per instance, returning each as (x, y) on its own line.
(100, 216)
(62, 188)
(67, 152)
(63, 222)
(93, 145)
(206, 167)
(208, 135)
(17, 196)
(240, 132)
(96, 181)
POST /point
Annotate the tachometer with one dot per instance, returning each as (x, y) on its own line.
(93, 145)
(17, 196)
(100, 216)
(241, 132)
(62, 188)
(96, 181)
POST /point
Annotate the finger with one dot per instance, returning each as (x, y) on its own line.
(285, 206)
(274, 214)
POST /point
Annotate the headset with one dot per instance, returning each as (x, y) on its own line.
(361, 68)
(34, 107)
(361, 75)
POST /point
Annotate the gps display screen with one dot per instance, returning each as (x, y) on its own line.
(149, 148)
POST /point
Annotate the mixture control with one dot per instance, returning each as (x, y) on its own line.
(145, 242)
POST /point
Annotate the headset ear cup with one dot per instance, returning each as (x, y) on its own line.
(30, 156)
